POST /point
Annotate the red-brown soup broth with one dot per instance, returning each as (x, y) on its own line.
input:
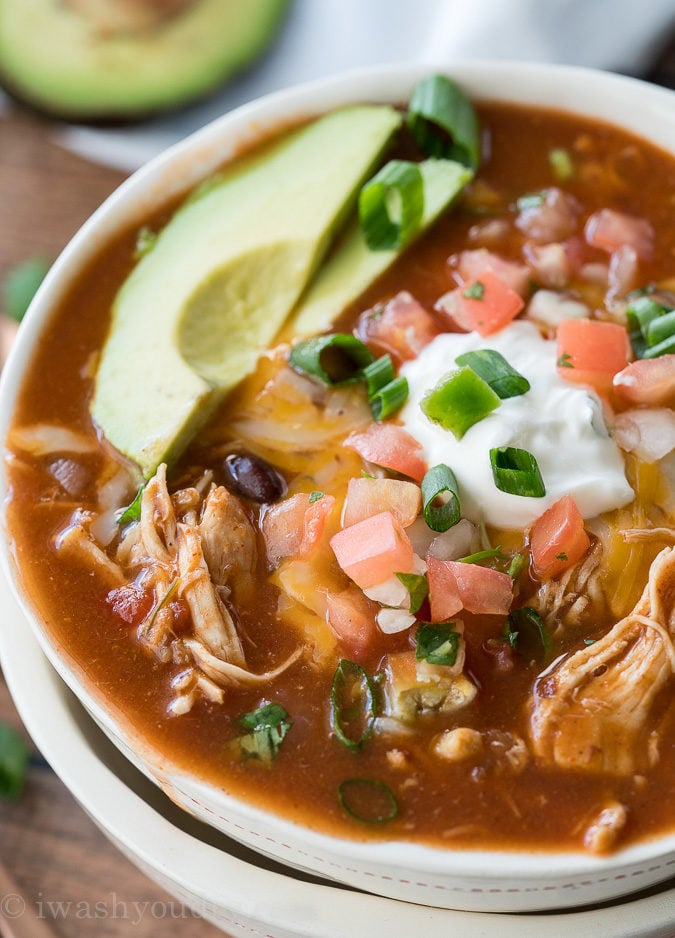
(474, 803)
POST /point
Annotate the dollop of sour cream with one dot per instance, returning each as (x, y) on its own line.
(560, 423)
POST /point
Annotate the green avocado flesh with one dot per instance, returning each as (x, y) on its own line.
(195, 313)
(58, 60)
(353, 266)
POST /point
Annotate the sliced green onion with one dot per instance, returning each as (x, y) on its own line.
(418, 588)
(661, 328)
(133, 511)
(561, 164)
(367, 800)
(667, 347)
(391, 206)
(493, 553)
(334, 359)
(268, 726)
(21, 284)
(315, 497)
(526, 631)
(531, 200)
(494, 369)
(518, 563)
(437, 643)
(378, 374)
(440, 480)
(459, 400)
(13, 762)
(640, 313)
(352, 704)
(475, 291)
(389, 399)
(516, 472)
(443, 122)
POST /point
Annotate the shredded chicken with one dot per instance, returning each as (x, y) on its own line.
(77, 539)
(561, 602)
(602, 833)
(590, 711)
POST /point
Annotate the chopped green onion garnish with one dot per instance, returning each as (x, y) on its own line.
(516, 472)
(133, 511)
(641, 312)
(661, 328)
(437, 643)
(315, 497)
(13, 762)
(518, 563)
(352, 704)
(565, 361)
(443, 122)
(440, 480)
(531, 200)
(378, 374)
(367, 800)
(561, 164)
(667, 347)
(526, 631)
(334, 359)
(494, 369)
(418, 588)
(459, 400)
(389, 399)
(268, 726)
(21, 284)
(493, 553)
(391, 206)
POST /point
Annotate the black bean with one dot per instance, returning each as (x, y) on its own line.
(253, 478)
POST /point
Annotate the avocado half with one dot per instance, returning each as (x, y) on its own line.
(98, 60)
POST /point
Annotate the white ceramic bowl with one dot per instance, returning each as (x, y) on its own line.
(472, 880)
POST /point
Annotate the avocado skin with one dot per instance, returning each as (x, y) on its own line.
(54, 64)
(198, 309)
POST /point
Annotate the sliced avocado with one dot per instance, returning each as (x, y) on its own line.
(214, 289)
(353, 266)
(104, 59)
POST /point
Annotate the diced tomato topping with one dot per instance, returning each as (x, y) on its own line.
(352, 616)
(591, 352)
(558, 538)
(132, 605)
(367, 497)
(454, 585)
(401, 327)
(484, 305)
(609, 230)
(293, 527)
(373, 550)
(649, 381)
(471, 265)
(390, 446)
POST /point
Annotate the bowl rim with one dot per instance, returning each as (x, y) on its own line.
(644, 109)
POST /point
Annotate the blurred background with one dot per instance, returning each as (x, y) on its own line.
(93, 89)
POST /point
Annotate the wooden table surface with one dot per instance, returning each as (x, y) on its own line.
(60, 861)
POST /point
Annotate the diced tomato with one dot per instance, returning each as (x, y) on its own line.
(649, 381)
(131, 604)
(401, 327)
(371, 551)
(352, 616)
(609, 230)
(591, 352)
(471, 265)
(390, 446)
(367, 497)
(293, 527)
(484, 305)
(558, 538)
(454, 585)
